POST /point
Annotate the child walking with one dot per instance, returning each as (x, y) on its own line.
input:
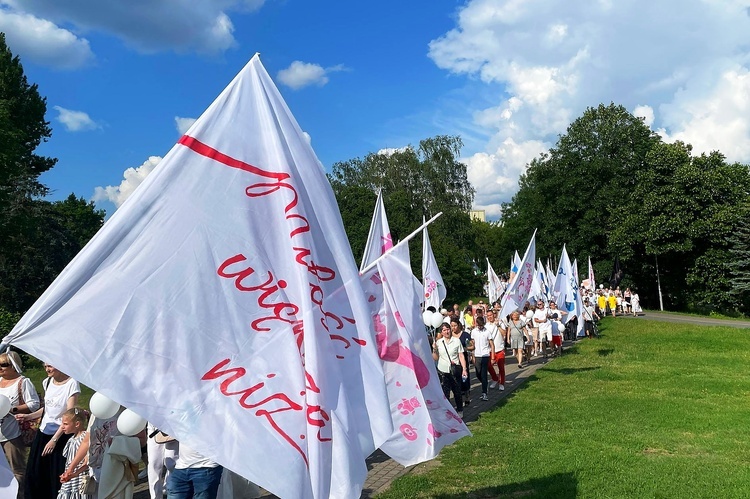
(73, 422)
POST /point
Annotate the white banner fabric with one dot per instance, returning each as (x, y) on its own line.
(434, 289)
(222, 303)
(379, 239)
(424, 421)
(518, 292)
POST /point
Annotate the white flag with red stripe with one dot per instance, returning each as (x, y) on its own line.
(222, 303)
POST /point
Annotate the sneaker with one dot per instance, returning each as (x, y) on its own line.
(501, 387)
(460, 414)
(520, 366)
(493, 384)
(484, 397)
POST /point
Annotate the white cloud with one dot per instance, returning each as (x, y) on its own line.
(718, 120)
(132, 178)
(75, 121)
(645, 112)
(495, 175)
(183, 124)
(390, 151)
(302, 74)
(43, 42)
(157, 25)
(547, 61)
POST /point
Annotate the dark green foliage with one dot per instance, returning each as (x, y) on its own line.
(611, 187)
(416, 182)
(37, 237)
(53, 233)
(739, 262)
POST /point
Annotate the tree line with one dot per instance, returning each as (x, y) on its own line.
(610, 188)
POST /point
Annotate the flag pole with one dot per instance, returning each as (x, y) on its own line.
(403, 241)
(658, 283)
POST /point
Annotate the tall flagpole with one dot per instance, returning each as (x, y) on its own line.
(658, 283)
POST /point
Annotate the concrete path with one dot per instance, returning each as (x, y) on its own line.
(652, 315)
(383, 470)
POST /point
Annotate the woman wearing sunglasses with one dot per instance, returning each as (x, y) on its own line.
(23, 400)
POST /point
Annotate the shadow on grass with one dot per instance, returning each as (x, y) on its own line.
(603, 352)
(559, 486)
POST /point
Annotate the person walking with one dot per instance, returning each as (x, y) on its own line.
(451, 365)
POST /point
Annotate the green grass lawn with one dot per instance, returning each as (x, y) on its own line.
(649, 410)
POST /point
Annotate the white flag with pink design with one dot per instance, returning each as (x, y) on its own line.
(222, 303)
(379, 239)
(518, 291)
(434, 289)
(424, 421)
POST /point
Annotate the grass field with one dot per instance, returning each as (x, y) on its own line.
(649, 410)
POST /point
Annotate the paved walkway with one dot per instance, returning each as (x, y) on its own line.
(383, 470)
(692, 319)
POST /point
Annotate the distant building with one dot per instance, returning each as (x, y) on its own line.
(477, 215)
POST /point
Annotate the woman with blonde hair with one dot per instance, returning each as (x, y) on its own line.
(23, 400)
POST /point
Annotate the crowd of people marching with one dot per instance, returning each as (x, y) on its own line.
(74, 455)
(477, 336)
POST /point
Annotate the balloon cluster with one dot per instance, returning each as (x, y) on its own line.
(432, 319)
(128, 422)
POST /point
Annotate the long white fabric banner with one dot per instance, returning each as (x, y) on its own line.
(222, 303)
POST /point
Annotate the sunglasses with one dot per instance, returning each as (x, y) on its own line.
(4, 364)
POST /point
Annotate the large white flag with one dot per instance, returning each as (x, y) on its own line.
(434, 289)
(579, 300)
(565, 291)
(379, 239)
(518, 292)
(423, 419)
(515, 265)
(222, 303)
(495, 284)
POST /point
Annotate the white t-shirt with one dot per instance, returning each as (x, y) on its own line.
(9, 428)
(481, 339)
(448, 352)
(188, 458)
(541, 315)
(498, 338)
(56, 403)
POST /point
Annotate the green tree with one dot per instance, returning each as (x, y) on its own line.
(569, 193)
(739, 265)
(22, 129)
(416, 182)
(43, 246)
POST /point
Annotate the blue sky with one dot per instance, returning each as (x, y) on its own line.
(506, 75)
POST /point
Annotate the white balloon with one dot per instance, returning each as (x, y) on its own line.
(437, 319)
(103, 407)
(130, 423)
(427, 318)
(4, 406)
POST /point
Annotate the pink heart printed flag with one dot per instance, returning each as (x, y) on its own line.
(518, 291)
(222, 303)
(434, 289)
(424, 421)
(379, 239)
